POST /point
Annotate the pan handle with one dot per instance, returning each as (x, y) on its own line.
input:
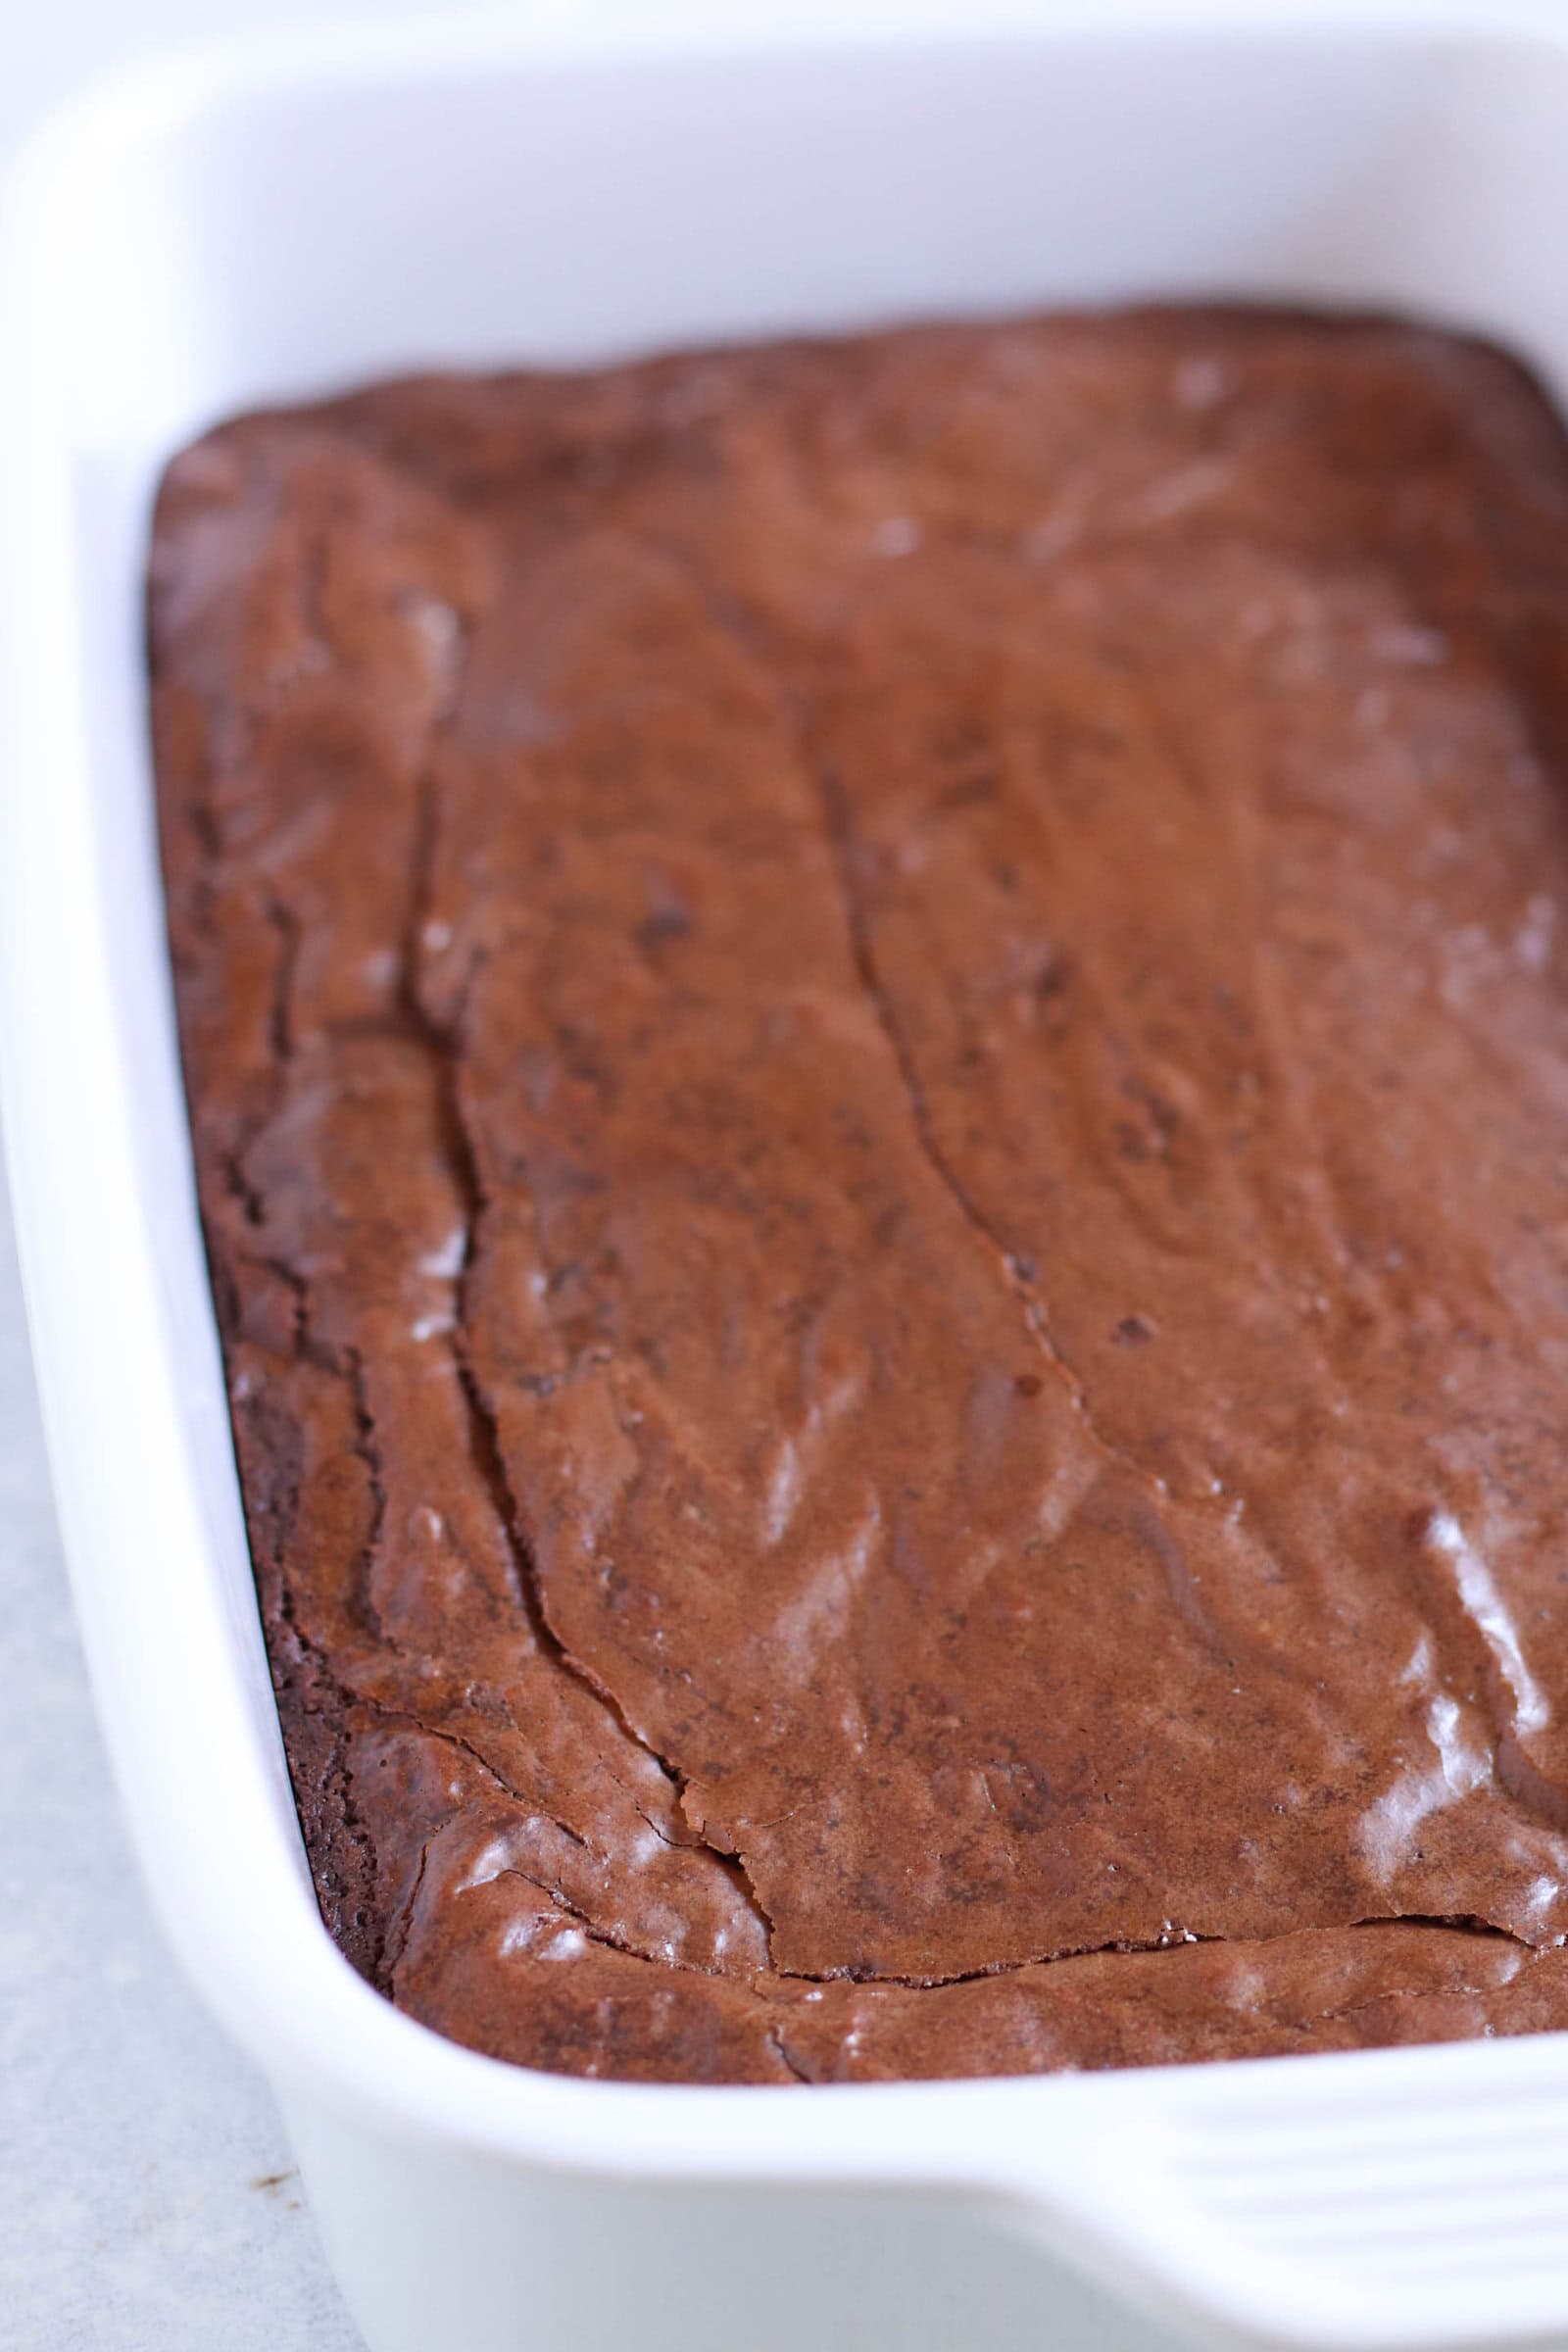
(1388, 2201)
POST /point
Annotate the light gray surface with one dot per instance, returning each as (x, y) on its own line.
(139, 2210)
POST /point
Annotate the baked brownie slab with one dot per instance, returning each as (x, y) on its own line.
(876, 1043)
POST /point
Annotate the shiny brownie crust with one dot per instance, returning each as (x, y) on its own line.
(875, 1036)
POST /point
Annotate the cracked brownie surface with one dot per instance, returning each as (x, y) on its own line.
(876, 1041)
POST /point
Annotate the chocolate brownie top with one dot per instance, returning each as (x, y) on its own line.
(876, 1043)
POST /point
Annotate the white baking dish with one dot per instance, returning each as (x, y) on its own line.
(278, 220)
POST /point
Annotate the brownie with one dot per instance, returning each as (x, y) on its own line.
(878, 1054)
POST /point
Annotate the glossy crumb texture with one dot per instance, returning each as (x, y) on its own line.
(876, 1038)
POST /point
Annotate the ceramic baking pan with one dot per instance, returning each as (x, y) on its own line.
(273, 223)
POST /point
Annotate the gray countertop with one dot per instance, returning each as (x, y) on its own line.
(146, 2198)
